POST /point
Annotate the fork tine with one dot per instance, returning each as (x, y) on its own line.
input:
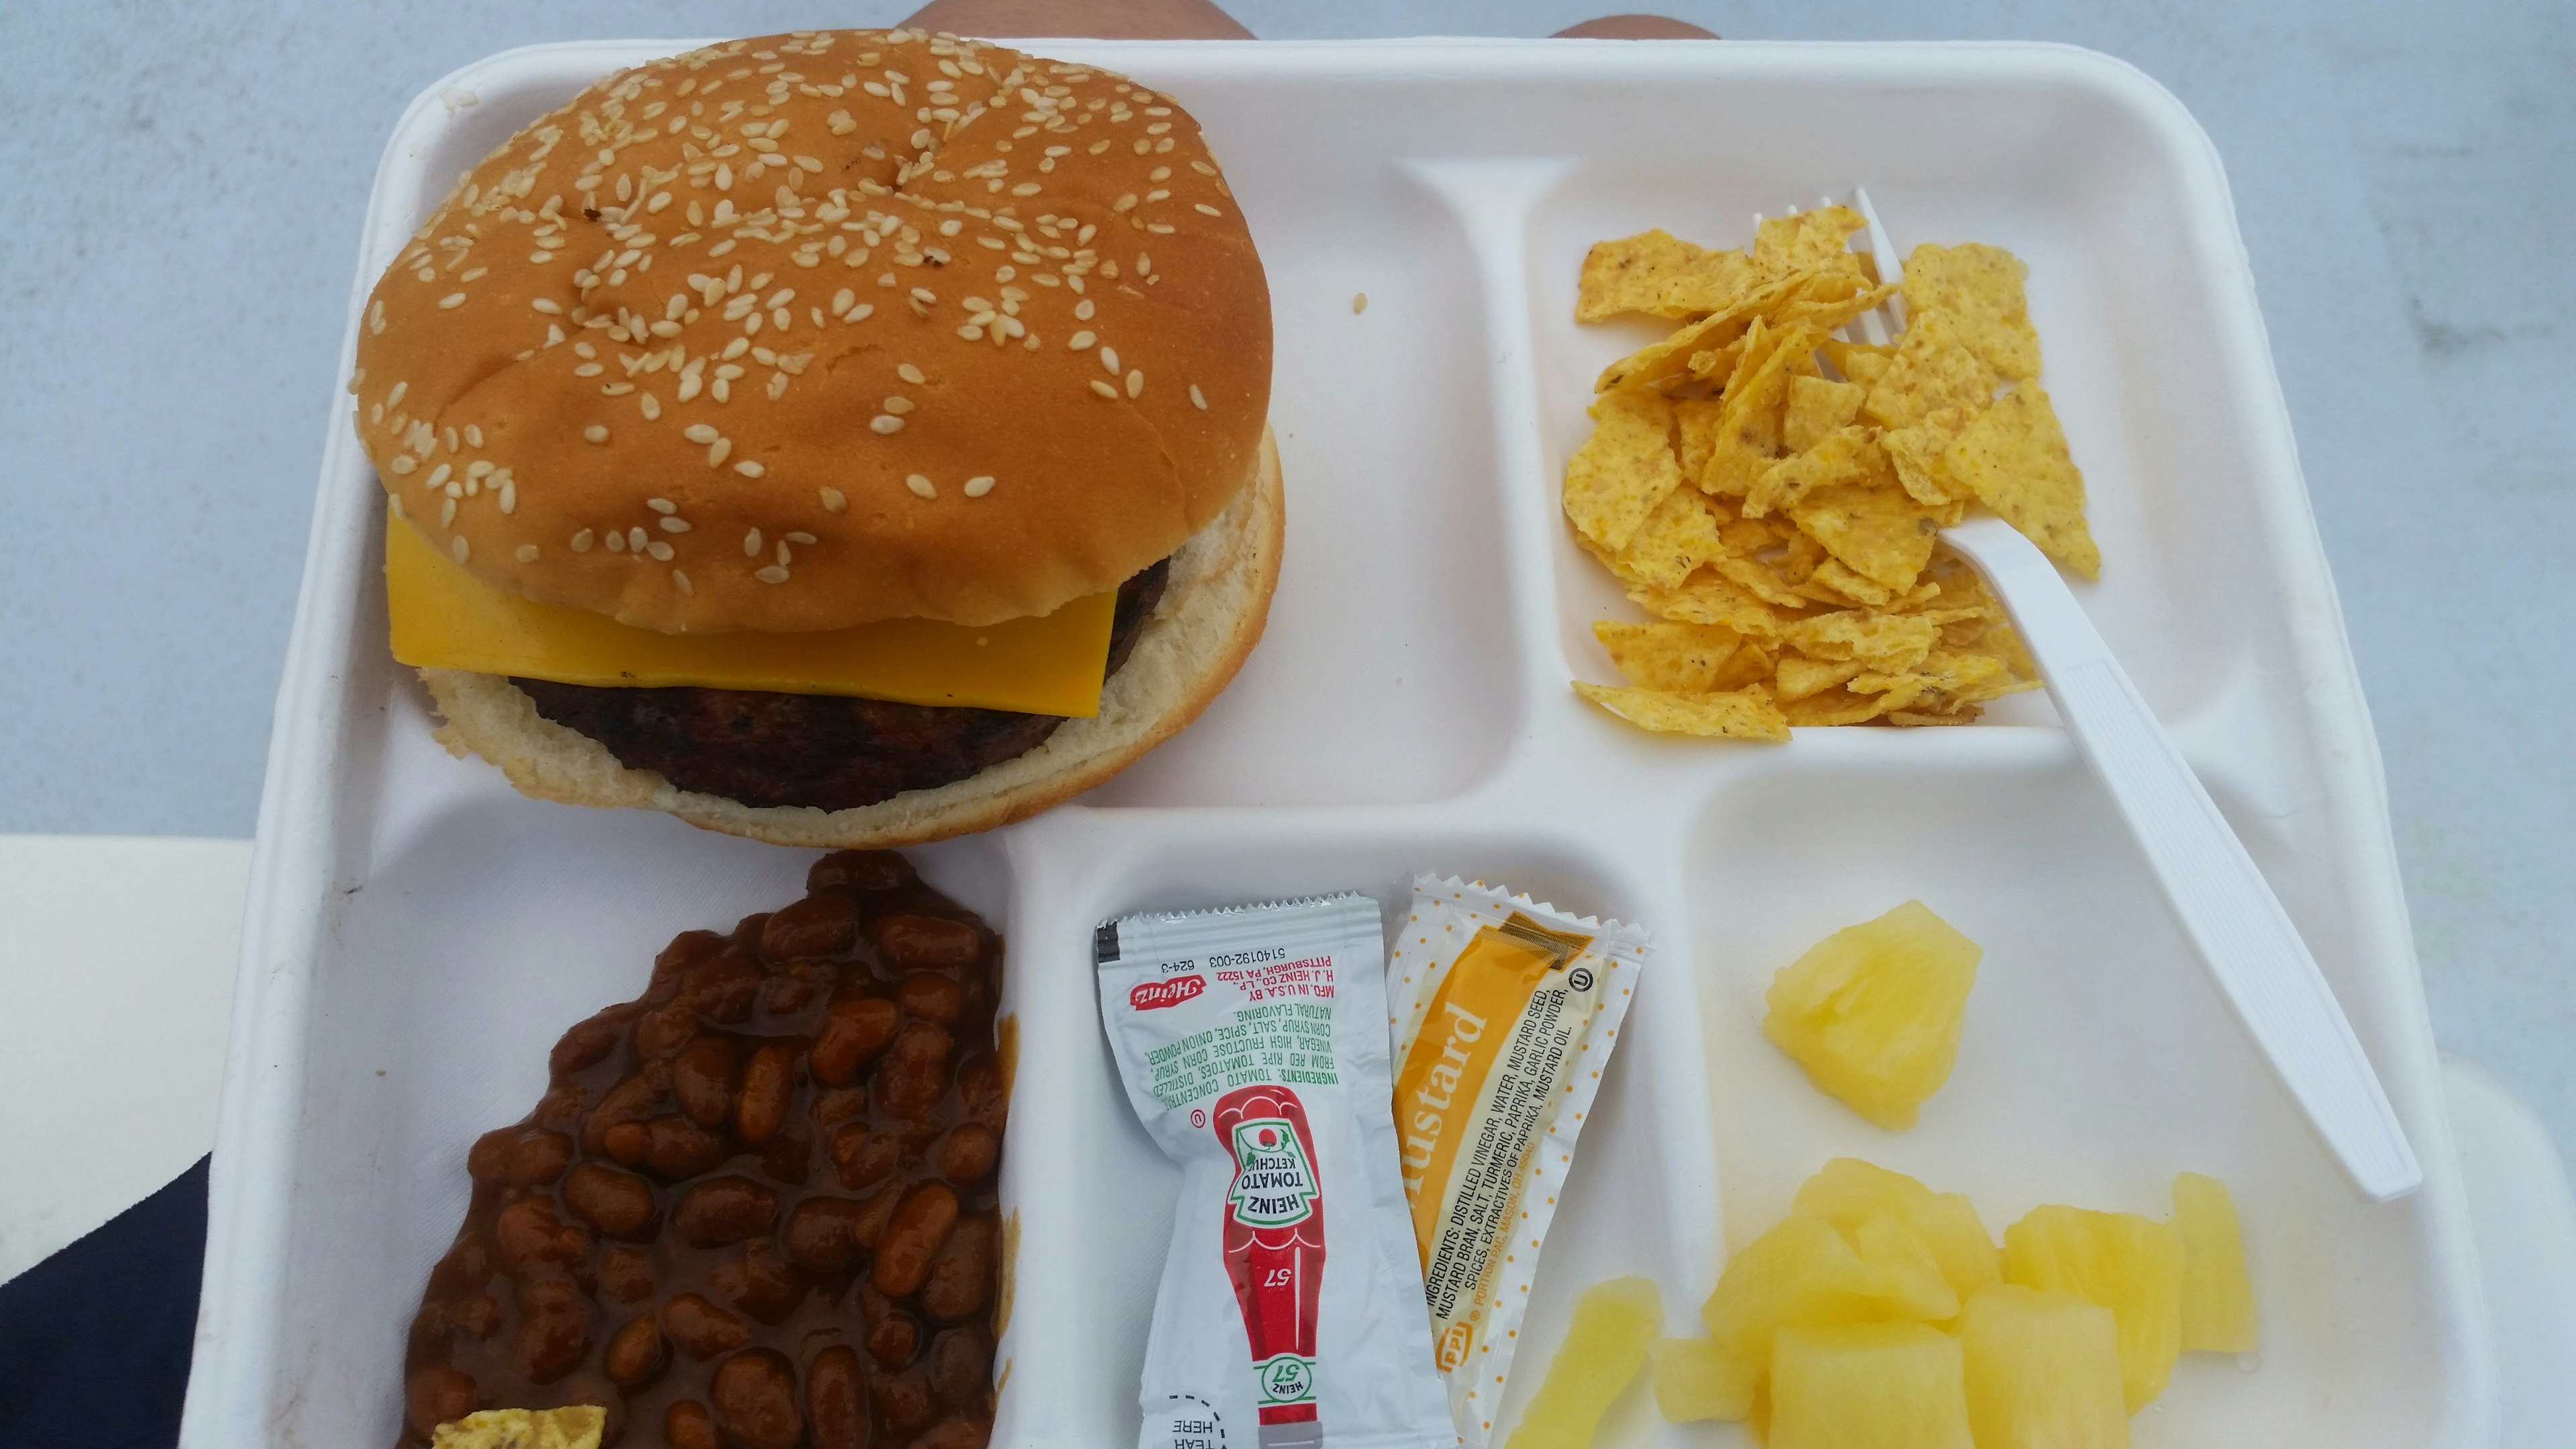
(1890, 269)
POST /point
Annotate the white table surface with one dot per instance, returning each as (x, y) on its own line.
(185, 190)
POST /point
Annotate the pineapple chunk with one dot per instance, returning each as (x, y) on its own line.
(1916, 1288)
(1803, 1274)
(2121, 1261)
(1848, 1192)
(2043, 1371)
(1868, 1386)
(1696, 1379)
(1872, 1012)
(2217, 1299)
(1604, 1346)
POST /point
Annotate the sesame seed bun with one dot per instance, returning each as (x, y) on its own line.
(812, 330)
(1210, 616)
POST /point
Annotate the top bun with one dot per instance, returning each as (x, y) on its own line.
(818, 329)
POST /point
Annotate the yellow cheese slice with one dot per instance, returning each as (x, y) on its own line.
(445, 618)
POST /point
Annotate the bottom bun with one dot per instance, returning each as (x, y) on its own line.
(1211, 615)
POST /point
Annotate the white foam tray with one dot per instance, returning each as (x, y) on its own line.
(418, 934)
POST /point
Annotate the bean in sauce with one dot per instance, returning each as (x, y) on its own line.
(756, 1206)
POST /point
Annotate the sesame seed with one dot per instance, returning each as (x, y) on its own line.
(596, 432)
(635, 537)
(898, 405)
(699, 433)
(675, 525)
(1109, 360)
(977, 487)
(886, 423)
(616, 541)
(581, 541)
(678, 578)
(719, 451)
(547, 305)
(404, 463)
(921, 486)
(460, 549)
(660, 551)
(910, 374)
(1203, 207)
(1080, 340)
(800, 537)
(451, 301)
(751, 544)
(1135, 381)
(1359, 303)
(394, 505)
(662, 505)
(474, 434)
(771, 575)
(1104, 389)
(834, 501)
(526, 553)
(447, 511)
(749, 469)
(1198, 399)
(652, 406)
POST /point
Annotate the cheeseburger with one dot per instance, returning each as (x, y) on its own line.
(848, 438)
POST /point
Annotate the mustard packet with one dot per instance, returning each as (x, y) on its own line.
(1502, 1013)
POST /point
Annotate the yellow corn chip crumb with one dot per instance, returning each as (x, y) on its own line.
(1679, 536)
(577, 1426)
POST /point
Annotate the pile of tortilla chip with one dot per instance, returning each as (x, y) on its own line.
(1774, 494)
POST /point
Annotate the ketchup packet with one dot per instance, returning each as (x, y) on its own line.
(1503, 1012)
(1252, 1044)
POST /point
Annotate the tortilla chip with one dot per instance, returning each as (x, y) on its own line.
(1706, 598)
(1862, 362)
(1763, 581)
(1980, 288)
(1666, 360)
(1679, 536)
(1873, 528)
(1746, 714)
(1833, 707)
(1920, 451)
(1881, 641)
(1675, 658)
(1695, 424)
(1846, 455)
(1748, 426)
(1967, 714)
(1797, 676)
(1624, 469)
(1932, 370)
(2013, 457)
(1817, 407)
(1660, 273)
(577, 1426)
(1832, 583)
(1942, 677)
(1808, 241)
(1829, 300)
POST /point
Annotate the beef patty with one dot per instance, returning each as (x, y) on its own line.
(827, 751)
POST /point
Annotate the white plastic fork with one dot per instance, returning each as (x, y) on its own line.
(2244, 936)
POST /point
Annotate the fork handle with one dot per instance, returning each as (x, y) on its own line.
(2220, 895)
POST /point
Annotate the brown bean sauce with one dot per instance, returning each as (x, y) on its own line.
(756, 1206)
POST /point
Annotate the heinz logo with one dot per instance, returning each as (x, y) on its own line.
(1148, 995)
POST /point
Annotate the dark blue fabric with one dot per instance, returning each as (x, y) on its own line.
(94, 1340)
